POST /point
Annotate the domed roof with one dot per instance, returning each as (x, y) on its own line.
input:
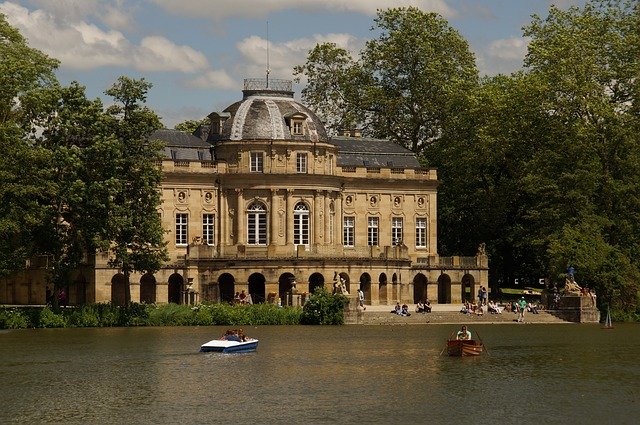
(267, 112)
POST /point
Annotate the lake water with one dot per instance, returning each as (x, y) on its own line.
(543, 374)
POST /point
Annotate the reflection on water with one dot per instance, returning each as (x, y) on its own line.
(347, 374)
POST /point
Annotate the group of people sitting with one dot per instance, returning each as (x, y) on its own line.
(472, 308)
(401, 310)
(234, 335)
(242, 298)
(423, 307)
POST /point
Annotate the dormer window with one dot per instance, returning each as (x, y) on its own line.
(217, 120)
(296, 123)
(296, 128)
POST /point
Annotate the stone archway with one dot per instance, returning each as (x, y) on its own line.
(382, 288)
(468, 289)
(81, 290)
(118, 289)
(148, 289)
(420, 288)
(444, 289)
(365, 285)
(176, 285)
(226, 284)
(316, 280)
(285, 284)
(257, 288)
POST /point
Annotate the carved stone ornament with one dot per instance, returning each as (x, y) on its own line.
(208, 197)
(373, 201)
(421, 202)
(182, 196)
(348, 200)
(397, 201)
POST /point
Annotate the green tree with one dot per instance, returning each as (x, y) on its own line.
(404, 86)
(190, 126)
(334, 83)
(134, 234)
(22, 70)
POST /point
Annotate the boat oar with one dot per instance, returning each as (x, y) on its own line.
(447, 344)
(484, 347)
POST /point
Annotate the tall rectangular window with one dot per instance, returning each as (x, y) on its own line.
(301, 163)
(257, 162)
(396, 230)
(257, 224)
(421, 232)
(297, 127)
(207, 228)
(349, 227)
(372, 231)
(182, 225)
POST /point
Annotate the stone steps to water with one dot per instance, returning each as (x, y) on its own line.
(449, 317)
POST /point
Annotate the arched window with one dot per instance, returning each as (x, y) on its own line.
(301, 224)
(256, 224)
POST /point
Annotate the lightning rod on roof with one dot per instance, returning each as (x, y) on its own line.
(268, 54)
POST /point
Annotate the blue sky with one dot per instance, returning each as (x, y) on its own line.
(197, 52)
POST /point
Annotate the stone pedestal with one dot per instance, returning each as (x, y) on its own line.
(353, 312)
(577, 308)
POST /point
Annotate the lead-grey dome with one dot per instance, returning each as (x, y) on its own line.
(266, 113)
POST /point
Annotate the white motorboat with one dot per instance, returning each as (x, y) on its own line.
(226, 346)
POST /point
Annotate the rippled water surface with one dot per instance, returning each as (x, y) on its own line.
(367, 374)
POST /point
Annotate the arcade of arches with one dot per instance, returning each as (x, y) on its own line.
(441, 289)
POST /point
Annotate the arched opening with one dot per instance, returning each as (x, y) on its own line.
(148, 289)
(176, 283)
(118, 289)
(81, 290)
(257, 288)
(394, 279)
(468, 288)
(382, 288)
(301, 224)
(444, 289)
(365, 285)
(316, 280)
(226, 284)
(420, 288)
(285, 284)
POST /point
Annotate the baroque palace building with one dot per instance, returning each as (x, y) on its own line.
(262, 200)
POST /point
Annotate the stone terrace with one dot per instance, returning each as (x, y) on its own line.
(445, 314)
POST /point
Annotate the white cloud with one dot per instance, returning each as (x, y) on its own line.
(81, 45)
(115, 13)
(218, 79)
(503, 56)
(284, 56)
(219, 11)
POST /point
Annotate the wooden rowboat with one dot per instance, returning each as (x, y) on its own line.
(464, 347)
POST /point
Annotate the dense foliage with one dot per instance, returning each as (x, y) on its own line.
(75, 177)
(324, 308)
(109, 315)
(542, 165)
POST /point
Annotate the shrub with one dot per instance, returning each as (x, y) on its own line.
(324, 309)
(49, 319)
(13, 319)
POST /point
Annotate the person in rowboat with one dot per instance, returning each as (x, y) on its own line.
(463, 333)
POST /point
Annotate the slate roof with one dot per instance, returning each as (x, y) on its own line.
(182, 146)
(263, 115)
(365, 152)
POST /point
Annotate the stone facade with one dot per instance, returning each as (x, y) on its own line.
(263, 201)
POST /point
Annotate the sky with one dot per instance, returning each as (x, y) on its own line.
(197, 53)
